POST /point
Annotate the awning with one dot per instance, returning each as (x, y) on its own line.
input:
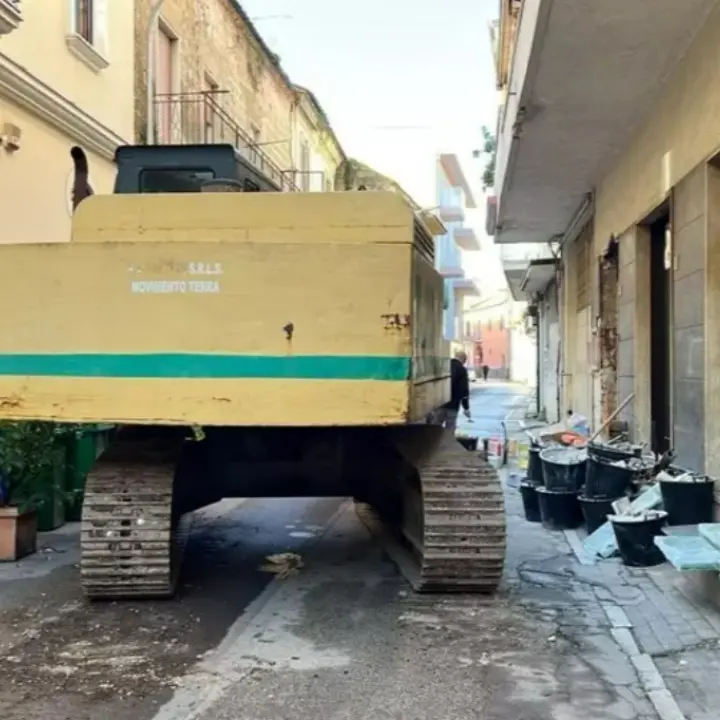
(538, 276)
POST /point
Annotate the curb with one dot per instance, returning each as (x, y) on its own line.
(648, 674)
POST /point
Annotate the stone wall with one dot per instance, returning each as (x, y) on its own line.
(216, 40)
(608, 335)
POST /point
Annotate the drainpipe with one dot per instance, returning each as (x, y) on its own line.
(155, 11)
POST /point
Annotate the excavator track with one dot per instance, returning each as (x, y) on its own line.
(452, 537)
(131, 540)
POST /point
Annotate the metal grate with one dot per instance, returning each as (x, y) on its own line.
(197, 118)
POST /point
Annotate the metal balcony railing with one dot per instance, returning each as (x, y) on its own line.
(197, 118)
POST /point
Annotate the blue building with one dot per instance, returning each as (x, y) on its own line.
(454, 197)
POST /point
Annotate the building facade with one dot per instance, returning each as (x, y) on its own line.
(317, 153)
(66, 79)
(200, 96)
(617, 170)
(487, 323)
(454, 197)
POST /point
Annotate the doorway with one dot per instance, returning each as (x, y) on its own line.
(168, 112)
(660, 332)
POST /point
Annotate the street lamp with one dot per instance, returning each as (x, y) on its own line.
(155, 11)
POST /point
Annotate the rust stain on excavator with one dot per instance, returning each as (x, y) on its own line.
(10, 402)
(396, 321)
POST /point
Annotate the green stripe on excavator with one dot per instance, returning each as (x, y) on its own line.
(201, 365)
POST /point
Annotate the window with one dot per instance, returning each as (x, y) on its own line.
(10, 16)
(254, 150)
(163, 180)
(87, 36)
(169, 120)
(211, 109)
(305, 166)
(84, 25)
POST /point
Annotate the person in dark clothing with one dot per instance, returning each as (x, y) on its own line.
(486, 371)
(459, 394)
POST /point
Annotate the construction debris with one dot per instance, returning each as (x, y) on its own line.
(283, 565)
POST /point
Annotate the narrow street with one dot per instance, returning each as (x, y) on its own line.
(344, 639)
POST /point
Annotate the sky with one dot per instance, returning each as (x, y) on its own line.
(401, 80)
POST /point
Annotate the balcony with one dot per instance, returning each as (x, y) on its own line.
(451, 272)
(197, 118)
(466, 239)
(451, 213)
(517, 259)
(448, 259)
(10, 16)
(465, 287)
(582, 78)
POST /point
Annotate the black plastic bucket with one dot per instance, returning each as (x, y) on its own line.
(635, 539)
(530, 502)
(559, 510)
(563, 468)
(535, 468)
(604, 480)
(595, 511)
(469, 443)
(688, 503)
(610, 453)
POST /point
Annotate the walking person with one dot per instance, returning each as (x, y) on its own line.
(486, 371)
(459, 394)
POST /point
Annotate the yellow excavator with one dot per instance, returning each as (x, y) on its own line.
(246, 342)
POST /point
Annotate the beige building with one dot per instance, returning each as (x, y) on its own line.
(66, 78)
(215, 80)
(317, 153)
(609, 155)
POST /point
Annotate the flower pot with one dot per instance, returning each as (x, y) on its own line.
(688, 502)
(563, 468)
(531, 505)
(18, 533)
(635, 537)
(559, 509)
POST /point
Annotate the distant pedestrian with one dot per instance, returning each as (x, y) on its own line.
(459, 394)
(486, 372)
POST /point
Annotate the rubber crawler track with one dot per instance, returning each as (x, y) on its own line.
(463, 523)
(130, 542)
(453, 536)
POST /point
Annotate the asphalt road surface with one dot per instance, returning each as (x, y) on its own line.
(342, 639)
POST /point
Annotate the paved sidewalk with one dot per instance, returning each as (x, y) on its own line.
(651, 626)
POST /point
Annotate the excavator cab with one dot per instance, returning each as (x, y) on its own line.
(185, 168)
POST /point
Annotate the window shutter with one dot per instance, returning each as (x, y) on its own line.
(101, 27)
(72, 15)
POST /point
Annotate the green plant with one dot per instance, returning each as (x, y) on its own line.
(489, 148)
(29, 452)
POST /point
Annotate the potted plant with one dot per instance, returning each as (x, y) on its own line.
(32, 464)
